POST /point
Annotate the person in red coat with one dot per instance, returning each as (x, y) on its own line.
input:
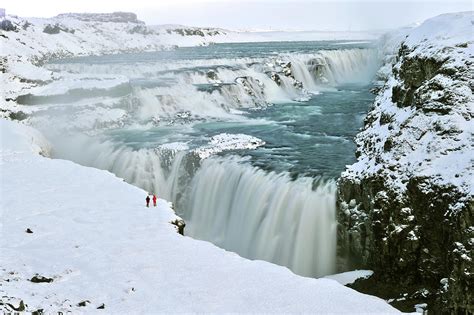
(154, 200)
(147, 201)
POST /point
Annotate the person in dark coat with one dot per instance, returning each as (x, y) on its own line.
(147, 201)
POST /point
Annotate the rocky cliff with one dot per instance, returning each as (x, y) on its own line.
(406, 205)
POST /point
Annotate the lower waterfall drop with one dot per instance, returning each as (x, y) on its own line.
(264, 216)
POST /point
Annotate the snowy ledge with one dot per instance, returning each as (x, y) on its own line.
(228, 142)
(96, 245)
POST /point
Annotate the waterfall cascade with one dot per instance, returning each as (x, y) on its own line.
(257, 214)
(241, 208)
(220, 87)
(264, 215)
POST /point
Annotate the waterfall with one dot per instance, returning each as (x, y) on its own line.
(264, 216)
(241, 208)
(238, 207)
(344, 66)
(220, 87)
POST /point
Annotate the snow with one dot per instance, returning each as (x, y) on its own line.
(110, 249)
(82, 37)
(226, 142)
(245, 36)
(436, 145)
(420, 308)
(443, 30)
(350, 276)
(174, 146)
(26, 70)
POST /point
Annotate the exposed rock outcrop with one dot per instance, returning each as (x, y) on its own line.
(406, 206)
(7, 26)
(56, 29)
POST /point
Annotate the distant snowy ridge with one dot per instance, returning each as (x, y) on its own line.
(226, 142)
(79, 34)
(406, 204)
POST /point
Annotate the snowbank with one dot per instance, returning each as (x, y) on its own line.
(96, 244)
(20, 138)
(228, 142)
(350, 276)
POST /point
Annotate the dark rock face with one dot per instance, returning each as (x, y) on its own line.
(398, 215)
(56, 28)
(414, 243)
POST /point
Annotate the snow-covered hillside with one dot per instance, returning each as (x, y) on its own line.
(406, 205)
(80, 239)
(88, 34)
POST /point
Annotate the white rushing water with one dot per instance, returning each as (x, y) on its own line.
(236, 206)
(264, 216)
(229, 84)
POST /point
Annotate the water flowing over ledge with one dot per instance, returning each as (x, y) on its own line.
(265, 216)
(273, 214)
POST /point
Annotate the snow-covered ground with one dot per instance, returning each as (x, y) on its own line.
(350, 276)
(93, 237)
(72, 35)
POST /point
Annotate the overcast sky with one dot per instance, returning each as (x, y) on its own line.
(334, 15)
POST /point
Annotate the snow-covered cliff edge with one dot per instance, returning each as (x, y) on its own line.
(406, 204)
(77, 239)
